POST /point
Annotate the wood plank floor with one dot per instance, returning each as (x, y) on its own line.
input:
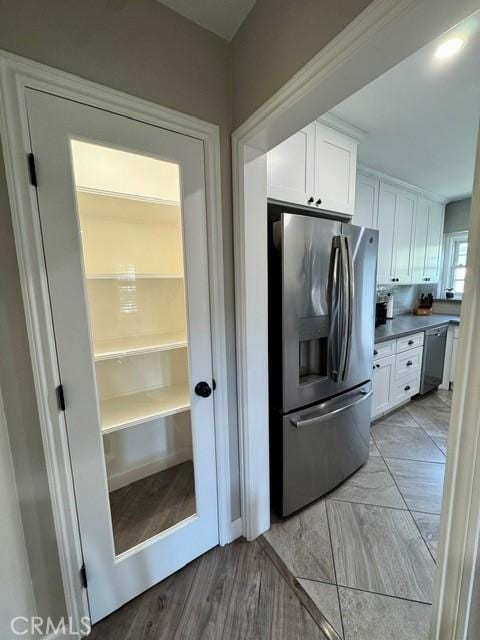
(146, 507)
(230, 593)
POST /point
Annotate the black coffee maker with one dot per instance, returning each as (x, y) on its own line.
(380, 313)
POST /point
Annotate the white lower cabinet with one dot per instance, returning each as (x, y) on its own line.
(396, 377)
(383, 378)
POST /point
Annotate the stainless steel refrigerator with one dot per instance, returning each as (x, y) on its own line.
(321, 334)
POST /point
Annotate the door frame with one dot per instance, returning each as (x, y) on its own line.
(384, 34)
(16, 74)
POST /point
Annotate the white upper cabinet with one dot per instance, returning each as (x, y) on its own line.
(335, 170)
(316, 167)
(427, 241)
(402, 262)
(436, 214)
(291, 168)
(410, 229)
(387, 204)
(366, 202)
(396, 220)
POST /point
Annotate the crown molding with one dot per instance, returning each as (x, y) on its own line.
(384, 177)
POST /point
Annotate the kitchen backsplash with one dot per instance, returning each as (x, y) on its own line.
(405, 297)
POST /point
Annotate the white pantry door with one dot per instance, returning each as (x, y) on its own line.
(123, 217)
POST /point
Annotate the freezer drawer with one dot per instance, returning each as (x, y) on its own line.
(314, 450)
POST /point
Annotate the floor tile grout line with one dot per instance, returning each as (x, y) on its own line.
(375, 593)
(426, 432)
(413, 459)
(368, 504)
(410, 511)
(334, 567)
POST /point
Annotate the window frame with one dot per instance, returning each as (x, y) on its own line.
(451, 240)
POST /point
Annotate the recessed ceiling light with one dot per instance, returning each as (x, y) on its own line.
(449, 48)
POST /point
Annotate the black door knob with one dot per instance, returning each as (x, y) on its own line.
(203, 389)
(318, 202)
(310, 200)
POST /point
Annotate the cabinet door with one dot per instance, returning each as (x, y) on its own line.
(420, 241)
(290, 168)
(434, 241)
(123, 212)
(366, 202)
(403, 236)
(335, 170)
(387, 204)
(383, 380)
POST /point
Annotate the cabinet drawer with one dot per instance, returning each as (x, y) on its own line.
(410, 342)
(384, 349)
(405, 388)
(408, 362)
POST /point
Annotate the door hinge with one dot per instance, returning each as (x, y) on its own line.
(83, 576)
(32, 171)
(61, 397)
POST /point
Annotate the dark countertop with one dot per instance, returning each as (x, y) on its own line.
(410, 323)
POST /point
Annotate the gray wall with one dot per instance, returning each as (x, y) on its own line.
(276, 40)
(457, 215)
(149, 51)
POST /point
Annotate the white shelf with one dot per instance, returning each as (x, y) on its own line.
(137, 345)
(125, 411)
(131, 277)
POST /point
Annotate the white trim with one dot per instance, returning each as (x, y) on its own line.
(334, 122)
(15, 74)
(395, 27)
(379, 175)
(460, 521)
(449, 241)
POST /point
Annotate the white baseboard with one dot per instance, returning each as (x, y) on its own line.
(121, 479)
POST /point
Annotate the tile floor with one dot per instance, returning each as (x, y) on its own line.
(366, 554)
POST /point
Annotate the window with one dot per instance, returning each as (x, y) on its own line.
(455, 260)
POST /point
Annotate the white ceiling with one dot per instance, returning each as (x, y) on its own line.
(422, 116)
(223, 17)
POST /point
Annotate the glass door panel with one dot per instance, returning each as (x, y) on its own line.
(130, 219)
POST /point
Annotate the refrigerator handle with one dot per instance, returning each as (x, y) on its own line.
(333, 309)
(327, 415)
(347, 306)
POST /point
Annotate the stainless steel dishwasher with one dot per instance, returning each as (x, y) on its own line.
(433, 358)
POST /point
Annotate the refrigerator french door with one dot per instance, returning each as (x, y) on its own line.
(123, 219)
(321, 335)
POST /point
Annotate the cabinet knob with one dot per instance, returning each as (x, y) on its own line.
(310, 200)
(411, 342)
(409, 363)
(407, 388)
(318, 202)
(375, 352)
(378, 366)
